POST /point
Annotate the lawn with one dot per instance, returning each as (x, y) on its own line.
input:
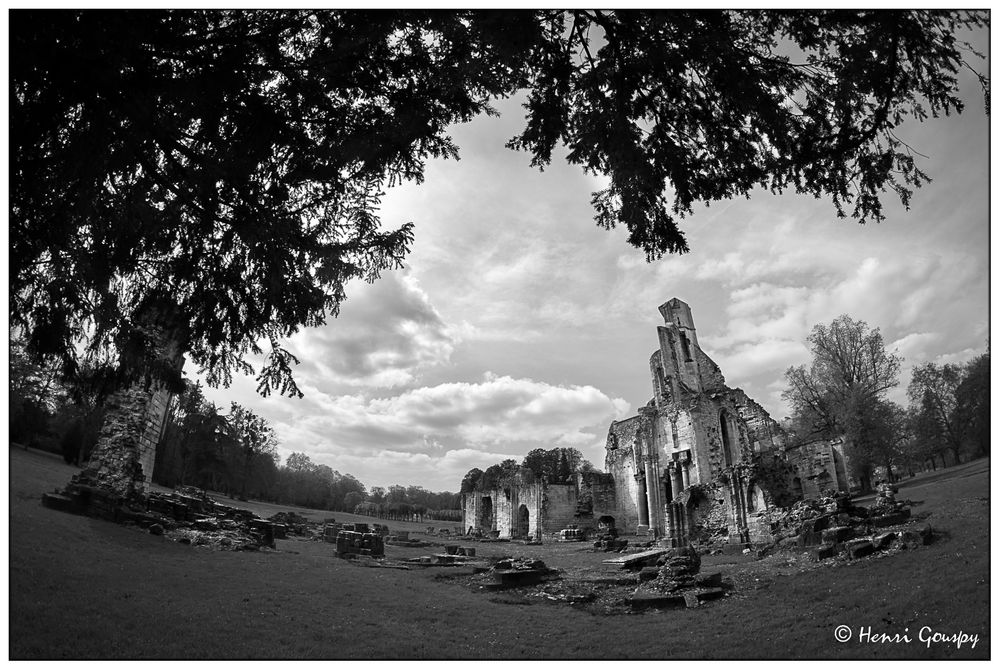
(82, 588)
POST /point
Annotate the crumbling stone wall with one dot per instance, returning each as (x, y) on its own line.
(126, 447)
(123, 459)
(504, 504)
(818, 466)
(156, 415)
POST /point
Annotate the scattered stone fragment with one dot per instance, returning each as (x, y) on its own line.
(710, 579)
(859, 548)
(823, 552)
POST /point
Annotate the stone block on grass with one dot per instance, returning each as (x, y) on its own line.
(860, 548)
(883, 541)
(709, 579)
(837, 534)
(648, 573)
(823, 552)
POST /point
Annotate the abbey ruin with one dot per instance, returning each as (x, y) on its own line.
(700, 461)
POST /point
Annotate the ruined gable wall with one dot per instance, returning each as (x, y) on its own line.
(711, 374)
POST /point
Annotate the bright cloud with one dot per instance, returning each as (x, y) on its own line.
(387, 333)
(423, 425)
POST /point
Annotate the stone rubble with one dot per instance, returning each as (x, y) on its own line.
(675, 581)
(185, 515)
(832, 526)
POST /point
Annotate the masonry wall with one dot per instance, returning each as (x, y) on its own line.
(506, 502)
(619, 465)
(558, 508)
(156, 413)
(819, 466)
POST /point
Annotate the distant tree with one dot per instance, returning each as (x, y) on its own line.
(32, 394)
(878, 435)
(932, 391)
(343, 486)
(563, 471)
(842, 391)
(377, 495)
(396, 494)
(972, 404)
(539, 462)
(352, 500)
(471, 480)
(554, 464)
(297, 462)
(255, 437)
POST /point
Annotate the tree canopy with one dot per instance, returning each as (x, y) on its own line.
(230, 163)
(842, 392)
(949, 406)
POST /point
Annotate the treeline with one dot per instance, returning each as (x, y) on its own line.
(843, 393)
(45, 413)
(237, 455)
(234, 452)
(553, 465)
(411, 503)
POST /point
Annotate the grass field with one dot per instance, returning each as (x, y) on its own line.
(82, 588)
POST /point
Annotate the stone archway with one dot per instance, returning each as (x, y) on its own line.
(523, 527)
(797, 490)
(486, 513)
(755, 499)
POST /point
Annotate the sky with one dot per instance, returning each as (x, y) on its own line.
(518, 324)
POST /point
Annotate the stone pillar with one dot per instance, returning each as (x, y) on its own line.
(685, 473)
(671, 525)
(677, 478)
(734, 496)
(651, 501)
(642, 503)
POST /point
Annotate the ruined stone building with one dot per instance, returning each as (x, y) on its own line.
(683, 465)
(699, 461)
(522, 505)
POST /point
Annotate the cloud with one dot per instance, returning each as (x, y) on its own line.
(422, 426)
(386, 334)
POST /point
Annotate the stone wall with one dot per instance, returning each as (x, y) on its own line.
(558, 508)
(818, 466)
(156, 414)
(504, 505)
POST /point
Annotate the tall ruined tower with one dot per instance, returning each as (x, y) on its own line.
(677, 366)
(677, 312)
